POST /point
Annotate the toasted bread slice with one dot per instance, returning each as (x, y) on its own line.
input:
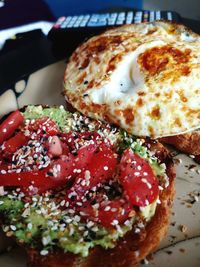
(129, 250)
(188, 143)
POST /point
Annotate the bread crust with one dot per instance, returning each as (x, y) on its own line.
(129, 250)
(188, 143)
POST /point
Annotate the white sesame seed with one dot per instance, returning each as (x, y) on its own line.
(90, 224)
(115, 222)
(10, 122)
(68, 220)
(105, 168)
(46, 240)
(160, 188)
(87, 175)
(13, 227)
(77, 218)
(137, 253)
(44, 252)
(71, 211)
(1, 202)
(139, 168)
(158, 201)
(114, 209)
(4, 130)
(62, 203)
(83, 182)
(29, 226)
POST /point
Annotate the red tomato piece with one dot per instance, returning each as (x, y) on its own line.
(15, 142)
(44, 124)
(115, 212)
(76, 139)
(99, 169)
(57, 174)
(84, 156)
(10, 124)
(138, 179)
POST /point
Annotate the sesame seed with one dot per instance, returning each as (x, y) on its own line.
(87, 174)
(44, 252)
(71, 211)
(85, 233)
(68, 220)
(62, 203)
(158, 201)
(90, 224)
(137, 253)
(13, 227)
(114, 209)
(29, 226)
(46, 240)
(105, 168)
(77, 218)
(83, 182)
(4, 130)
(115, 222)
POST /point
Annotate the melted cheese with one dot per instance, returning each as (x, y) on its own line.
(145, 78)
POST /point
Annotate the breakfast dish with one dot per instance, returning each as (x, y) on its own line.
(143, 78)
(76, 191)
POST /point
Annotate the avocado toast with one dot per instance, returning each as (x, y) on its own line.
(79, 192)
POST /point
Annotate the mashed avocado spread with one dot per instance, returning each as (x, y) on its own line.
(45, 221)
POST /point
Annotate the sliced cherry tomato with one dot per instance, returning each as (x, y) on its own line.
(23, 179)
(115, 212)
(84, 156)
(138, 179)
(57, 174)
(10, 124)
(76, 139)
(44, 125)
(15, 142)
(99, 169)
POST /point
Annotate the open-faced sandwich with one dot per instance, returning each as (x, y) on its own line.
(144, 78)
(80, 192)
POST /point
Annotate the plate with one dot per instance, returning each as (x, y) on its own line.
(181, 246)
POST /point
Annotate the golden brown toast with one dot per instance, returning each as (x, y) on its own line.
(188, 143)
(129, 250)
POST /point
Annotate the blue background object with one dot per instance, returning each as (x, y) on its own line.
(72, 7)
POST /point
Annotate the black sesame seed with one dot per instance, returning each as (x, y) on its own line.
(49, 173)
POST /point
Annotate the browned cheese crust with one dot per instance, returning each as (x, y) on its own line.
(188, 143)
(143, 78)
(129, 250)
